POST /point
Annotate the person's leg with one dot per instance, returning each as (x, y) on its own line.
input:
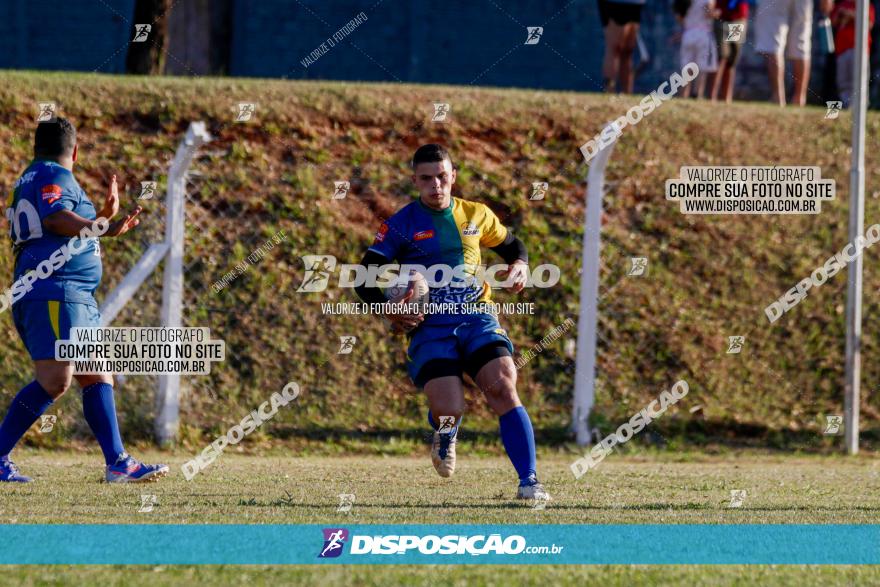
(489, 362)
(712, 84)
(844, 75)
(801, 72)
(51, 381)
(626, 48)
(729, 63)
(701, 85)
(446, 406)
(775, 70)
(709, 50)
(722, 50)
(685, 56)
(727, 81)
(799, 47)
(610, 63)
(445, 399)
(497, 380)
(37, 324)
(771, 30)
(99, 409)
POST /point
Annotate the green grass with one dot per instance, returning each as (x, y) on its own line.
(281, 488)
(709, 277)
(541, 576)
(286, 489)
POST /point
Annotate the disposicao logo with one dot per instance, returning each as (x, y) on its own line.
(334, 540)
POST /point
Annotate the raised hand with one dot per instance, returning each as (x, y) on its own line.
(111, 203)
(120, 227)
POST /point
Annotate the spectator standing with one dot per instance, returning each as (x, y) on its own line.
(784, 28)
(730, 34)
(620, 21)
(697, 41)
(843, 19)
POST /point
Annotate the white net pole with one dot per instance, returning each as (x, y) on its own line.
(856, 228)
(168, 392)
(585, 360)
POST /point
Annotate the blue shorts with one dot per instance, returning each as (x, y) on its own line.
(41, 322)
(454, 347)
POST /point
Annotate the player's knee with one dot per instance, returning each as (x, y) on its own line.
(55, 386)
(507, 373)
(503, 383)
(87, 380)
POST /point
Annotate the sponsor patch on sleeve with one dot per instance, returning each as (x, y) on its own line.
(51, 193)
(383, 230)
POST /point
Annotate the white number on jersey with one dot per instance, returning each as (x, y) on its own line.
(35, 227)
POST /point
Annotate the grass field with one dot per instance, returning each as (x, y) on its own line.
(665, 489)
(709, 277)
(409, 576)
(686, 488)
(356, 427)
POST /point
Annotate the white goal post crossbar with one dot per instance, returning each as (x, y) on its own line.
(168, 391)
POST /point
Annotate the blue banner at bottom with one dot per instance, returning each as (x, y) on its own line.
(169, 544)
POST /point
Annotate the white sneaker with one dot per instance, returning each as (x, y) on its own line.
(534, 491)
(443, 453)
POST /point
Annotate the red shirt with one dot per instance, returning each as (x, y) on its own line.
(739, 10)
(845, 36)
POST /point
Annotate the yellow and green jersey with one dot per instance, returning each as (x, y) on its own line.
(419, 235)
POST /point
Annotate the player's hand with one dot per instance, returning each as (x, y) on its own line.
(120, 227)
(111, 203)
(517, 274)
(405, 322)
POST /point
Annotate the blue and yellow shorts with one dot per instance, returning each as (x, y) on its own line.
(441, 350)
(41, 322)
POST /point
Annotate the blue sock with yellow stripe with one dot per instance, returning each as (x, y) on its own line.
(26, 408)
(100, 412)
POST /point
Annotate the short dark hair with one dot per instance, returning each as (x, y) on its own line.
(430, 153)
(54, 138)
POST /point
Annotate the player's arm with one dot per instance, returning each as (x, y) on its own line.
(512, 249)
(497, 237)
(67, 223)
(372, 294)
(514, 253)
(387, 246)
(56, 209)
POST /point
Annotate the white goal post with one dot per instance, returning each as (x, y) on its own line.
(585, 366)
(168, 391)
(585, 359)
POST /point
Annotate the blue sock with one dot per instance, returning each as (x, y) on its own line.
(519, 441)
(26, 408)
(433, 424)
(100, 412)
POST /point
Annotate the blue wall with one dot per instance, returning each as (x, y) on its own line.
(453, 41)
(479, 42)
(84, 35)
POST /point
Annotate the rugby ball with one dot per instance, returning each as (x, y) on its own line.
(404, 283)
